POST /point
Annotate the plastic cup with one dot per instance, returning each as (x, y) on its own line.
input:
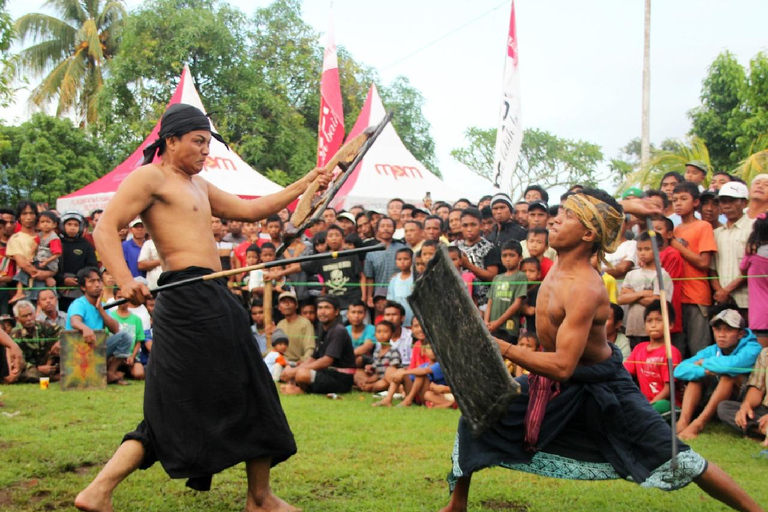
(44, 382)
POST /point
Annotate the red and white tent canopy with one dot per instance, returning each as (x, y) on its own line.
(388, 170)
(223, 168)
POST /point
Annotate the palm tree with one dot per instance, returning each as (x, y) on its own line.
(71, 52)
(757, 161)
(664, 161)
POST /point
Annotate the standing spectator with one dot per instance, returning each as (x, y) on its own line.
(48, 309)
(668, 183)
(434, 229)
(532, 270)
(613, 330)
(507, 295)
(486, 228)
(46, 261)
(380, 266)
(93, 221)
(521, 214)
(329, 216)
(709, 208)
(394, 212)
(76, 254)
(7, 263)
(365, 229)
(442, 210)
(235, 234)
(755, 267)
(297, 248)
(696, 242)
(300, 331)
(251, 232)
(414, 234)
(538, 216)
(535, 193)
(623, 259)
(608, 280)
(38, 341)
(23, 244)
(132, 247)
(719, 179)
(758, 196)
(149, 262)
(731, 238)
(454, 224)
(347, 222)
(696, 173)
(479, 256)
(673, 263)
(506, 228)
(401, 284)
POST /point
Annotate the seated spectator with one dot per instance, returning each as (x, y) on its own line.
(39, 342)
(755, 266)
(363, 335)
(386, 360)
(309, 312)
(722, 365)
(608, 280)
(379, 305)
(401, 284)
(417, 354)
(331, 368)
(48, 309)
(7, 323)
(257, 327)
(537, 243)
(507, 295)
(750, 417)
(672, 262)
(531, 267)
(394, 312)
(133, 325)
(11, 357)
(648, 361)
(86, 314)
(300, 331)
(146, 345)
(275, 358)
(420, 391)
(613, 330)
(640, 288)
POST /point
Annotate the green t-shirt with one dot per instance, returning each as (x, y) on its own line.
(504, 291)
(131, 323)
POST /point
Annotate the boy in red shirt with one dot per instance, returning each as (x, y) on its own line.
(538, 243)
(672, 262)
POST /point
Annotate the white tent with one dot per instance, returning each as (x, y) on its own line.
(388, 170)
(223, 167)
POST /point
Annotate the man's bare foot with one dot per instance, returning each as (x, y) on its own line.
(691, 432)
(405, 403)
(383, 403)
(291, 389)
(269, 504)
(91, 499)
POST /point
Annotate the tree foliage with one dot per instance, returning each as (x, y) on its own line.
(7, 62)
(71, 52)
(545, 159)
(672, 157)
(45, 158)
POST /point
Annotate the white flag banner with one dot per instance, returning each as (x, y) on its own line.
(509, 136)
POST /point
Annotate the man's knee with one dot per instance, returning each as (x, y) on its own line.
(303, 376)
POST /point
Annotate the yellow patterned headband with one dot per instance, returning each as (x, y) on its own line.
(600, 217)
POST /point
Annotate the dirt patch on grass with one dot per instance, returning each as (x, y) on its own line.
(82, 469)
(6, 493)
(515, 506)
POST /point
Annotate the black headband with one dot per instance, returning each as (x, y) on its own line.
(179, 119)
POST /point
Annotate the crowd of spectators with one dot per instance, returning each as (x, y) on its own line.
(344, 323)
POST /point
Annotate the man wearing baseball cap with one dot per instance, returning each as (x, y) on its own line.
(696, 172)
(505, 228)
(132, 247)
(347, 222)
(731, 239)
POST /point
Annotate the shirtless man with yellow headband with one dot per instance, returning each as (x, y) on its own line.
(580, 415)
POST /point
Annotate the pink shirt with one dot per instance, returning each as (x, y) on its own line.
(755, 265)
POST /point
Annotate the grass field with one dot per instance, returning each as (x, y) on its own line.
(352, 457)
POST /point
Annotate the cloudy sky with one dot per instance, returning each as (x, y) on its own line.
(580, 62)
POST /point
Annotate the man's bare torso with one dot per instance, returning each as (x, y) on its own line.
(560, 288)
(179, 219)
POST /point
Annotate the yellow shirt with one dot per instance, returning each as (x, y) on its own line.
(610, 284)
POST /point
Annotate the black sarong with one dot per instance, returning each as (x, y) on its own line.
(209, 401)
(599, 426)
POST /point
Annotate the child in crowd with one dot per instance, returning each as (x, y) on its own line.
(466, 276)
(309, 311)
(419, 265)
(46, 259)
(695, 240)
(538, 243)
(613, 330)
(429, 386)
(608, 280)
(256, 277)
(755, 266)
(507, 295)
(418, 356)
(379, 305)
(640, 288)
(319, 243)
(108, 292)
(363, 335)
(531, 267)
(528, 341)
(386, 359)
(275, 359)
(401, 284)
(257, 327)
(648, 361)
(673, 263)
(131, 323)
(722, 365)
(252, 257)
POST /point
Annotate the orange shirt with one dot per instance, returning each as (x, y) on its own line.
(701, 239)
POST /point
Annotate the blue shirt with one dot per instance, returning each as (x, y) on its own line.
(399, 290)
(369, 333)
(87, 311)
(131, 253)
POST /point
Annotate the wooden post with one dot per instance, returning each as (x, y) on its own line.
(268, 286)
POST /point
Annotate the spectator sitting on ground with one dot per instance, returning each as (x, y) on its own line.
(48, 309)
(379, 305)
(394, 312)
(363, 335)
(275, 358)
(750, 417)
(507, 295)
(86, 314)
(418, 337)
(386, 360)
(300, 331)
(309, 312)
(331, 368)
(149, 262)
(7, 323)
(401, 284)
(723, 364)
(537, 243)
(135, 328)
(11, 357)
(258, 329)
(613, 330)
(648, 361)
(419, 389)
(641, 287)
(39, 342)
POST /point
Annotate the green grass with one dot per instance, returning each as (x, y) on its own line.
(352, 457)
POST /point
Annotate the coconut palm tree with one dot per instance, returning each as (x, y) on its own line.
(664, 161)
(70, 52)
(757, 161)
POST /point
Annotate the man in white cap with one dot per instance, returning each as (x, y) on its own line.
(758, 196)
(347, 222)
(731, 239)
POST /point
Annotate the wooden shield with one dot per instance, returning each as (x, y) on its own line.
(347, 158)
(83, 365)
(470, 359)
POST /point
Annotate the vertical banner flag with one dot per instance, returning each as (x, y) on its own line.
(330, 134)
(510, 132)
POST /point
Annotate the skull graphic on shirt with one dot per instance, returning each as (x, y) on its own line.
(337, 281)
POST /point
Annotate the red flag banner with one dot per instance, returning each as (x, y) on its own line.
(330, 134)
